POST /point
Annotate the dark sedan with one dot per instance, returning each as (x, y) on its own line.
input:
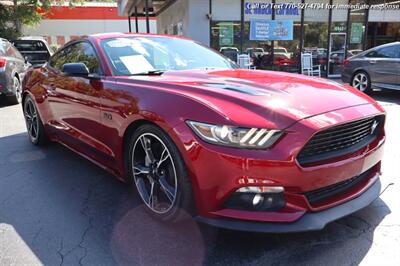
(12, 71)
(378, 67)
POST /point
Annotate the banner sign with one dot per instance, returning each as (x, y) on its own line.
(225, 34)
(271, 30)
(265, 8)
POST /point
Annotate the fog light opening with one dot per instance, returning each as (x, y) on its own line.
(255, 198)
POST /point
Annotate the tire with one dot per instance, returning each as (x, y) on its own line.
(159, 169)
(361, 81)
(34, 125)
(16, 98)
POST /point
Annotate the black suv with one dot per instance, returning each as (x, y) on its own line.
(12, 71)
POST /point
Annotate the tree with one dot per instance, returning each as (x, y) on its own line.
(15, 13)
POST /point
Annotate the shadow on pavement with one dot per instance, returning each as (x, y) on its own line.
(4, 102)
(68, 211)
(387, 96)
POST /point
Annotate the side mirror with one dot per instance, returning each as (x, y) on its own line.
(75, 69)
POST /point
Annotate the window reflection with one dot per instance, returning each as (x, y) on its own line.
(81, 52)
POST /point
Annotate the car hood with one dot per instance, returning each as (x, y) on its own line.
(268, 98)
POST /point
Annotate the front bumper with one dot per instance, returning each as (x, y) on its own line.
(217, 172)
(309, 222)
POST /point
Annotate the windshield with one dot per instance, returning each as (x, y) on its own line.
(280, 50)
(135, 55)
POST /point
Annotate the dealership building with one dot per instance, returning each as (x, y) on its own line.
(329, 29)
(63, 23)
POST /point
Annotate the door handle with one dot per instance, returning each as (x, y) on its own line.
(372, 61)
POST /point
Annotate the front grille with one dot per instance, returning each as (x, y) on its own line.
(341, 140)
(319, 195)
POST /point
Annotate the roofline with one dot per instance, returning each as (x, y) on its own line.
(110, 35)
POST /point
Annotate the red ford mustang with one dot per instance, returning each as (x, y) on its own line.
(241, 149)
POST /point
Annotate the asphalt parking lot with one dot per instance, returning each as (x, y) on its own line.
(57, 208)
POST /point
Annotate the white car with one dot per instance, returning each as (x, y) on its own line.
(34, 49)
(282, 51)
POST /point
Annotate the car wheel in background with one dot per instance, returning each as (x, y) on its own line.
(159, 174)
(361, 81)
(16, 89)
(34, 124)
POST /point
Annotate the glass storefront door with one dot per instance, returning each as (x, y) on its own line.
(336, 54)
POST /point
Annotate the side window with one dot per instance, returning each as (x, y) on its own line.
(386, 52)
(16, 53)
(371, 54)
(89, 57)
(59, 59)
(81, 52)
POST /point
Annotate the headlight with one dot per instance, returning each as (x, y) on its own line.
(254, 138)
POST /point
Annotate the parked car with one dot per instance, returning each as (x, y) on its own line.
(255, 52)
(12, 71)
(282, 52)
(235, 148)
(35, 50)
(377, 67)
(230, 52)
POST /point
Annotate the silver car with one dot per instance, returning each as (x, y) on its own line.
(378, 67)
(12, 70)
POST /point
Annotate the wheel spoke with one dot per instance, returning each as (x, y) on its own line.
(167, 188)
(146, 144)
(151, 196)
(34, 130)
(164, 156)
(139, 169)
(30, 128)
(27, 115)
(29, 109)
(141, 186)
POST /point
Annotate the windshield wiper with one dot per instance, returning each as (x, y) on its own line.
(149, 73)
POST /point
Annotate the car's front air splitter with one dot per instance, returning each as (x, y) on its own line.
(309, 222)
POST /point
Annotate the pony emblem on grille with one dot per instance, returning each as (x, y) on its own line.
(374, 126)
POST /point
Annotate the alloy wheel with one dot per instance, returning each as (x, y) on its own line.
(31, 119)
(360, 82)
(17, 89)
(154, 173)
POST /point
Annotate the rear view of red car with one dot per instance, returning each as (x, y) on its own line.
(240, 149)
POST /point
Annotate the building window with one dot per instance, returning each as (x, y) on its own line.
(225, 38)
(287, 53)
(316, 33)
